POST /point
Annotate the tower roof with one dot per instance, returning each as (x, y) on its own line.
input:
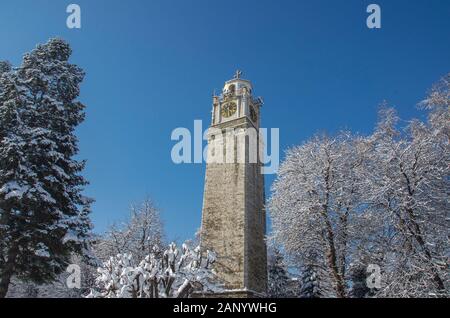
(238, 83)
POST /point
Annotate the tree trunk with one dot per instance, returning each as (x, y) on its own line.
(8, 271)
(332, 263)
(332, 255)
(417, 234)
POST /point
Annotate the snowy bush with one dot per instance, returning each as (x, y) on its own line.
(173, 273)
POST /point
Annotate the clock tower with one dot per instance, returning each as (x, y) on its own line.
(233, 216)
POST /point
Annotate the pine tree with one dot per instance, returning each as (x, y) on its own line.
(315, 283)
(278, 276)
(309, 284)
(358, 276)
(44, 217)
(4, 67)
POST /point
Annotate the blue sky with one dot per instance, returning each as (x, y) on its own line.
(152, 66)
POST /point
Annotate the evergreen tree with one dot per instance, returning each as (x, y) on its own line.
(278, 275)
(309, 284)
(44, 218)
(358, 276)
(315, 281)
(4, 67)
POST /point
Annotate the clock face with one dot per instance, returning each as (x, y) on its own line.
(229, 109)
(253, 115)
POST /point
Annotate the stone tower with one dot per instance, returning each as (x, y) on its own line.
(234, 218)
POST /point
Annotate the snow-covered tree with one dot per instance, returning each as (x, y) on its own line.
(409, 191)
(380, 200)
(59, 288)
(138, 235)
(317, 200)
(173, 273)
(278, 276)
(315, 279)
(358, 278)
(310, 284)
(5, 67)
(43, 213)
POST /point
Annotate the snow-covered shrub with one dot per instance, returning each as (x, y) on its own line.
(173, 273)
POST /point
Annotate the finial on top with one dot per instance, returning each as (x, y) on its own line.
(238, 74)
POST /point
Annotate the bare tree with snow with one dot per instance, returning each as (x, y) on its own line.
(383, 199)
(138, 235)
(316, 200)
(409, 191)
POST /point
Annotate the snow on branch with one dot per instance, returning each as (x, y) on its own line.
(172, 273)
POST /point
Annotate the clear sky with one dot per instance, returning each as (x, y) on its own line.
(152, 66)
